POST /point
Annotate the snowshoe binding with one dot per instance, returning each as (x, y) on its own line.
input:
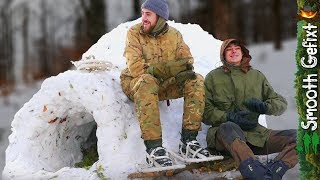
(192, 149)
(159, 160)
(158, 157)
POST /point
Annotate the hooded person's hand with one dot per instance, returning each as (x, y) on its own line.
(242, 119)
(256, 105)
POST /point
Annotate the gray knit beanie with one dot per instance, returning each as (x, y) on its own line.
(160, 7)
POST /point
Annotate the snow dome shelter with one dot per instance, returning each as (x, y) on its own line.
(49, 130)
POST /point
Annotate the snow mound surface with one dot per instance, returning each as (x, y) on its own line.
(49, 130)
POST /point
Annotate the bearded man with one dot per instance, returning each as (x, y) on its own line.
(160, 67)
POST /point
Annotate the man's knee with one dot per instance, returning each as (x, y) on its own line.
(195, 86)
(293, 135)
(199, 81)
(290, 134)
(228, 127)
(145, 88)
(199, 77)
(148, 79)
(230, 131)
(146, 82)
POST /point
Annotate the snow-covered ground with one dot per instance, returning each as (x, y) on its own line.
(279, 67)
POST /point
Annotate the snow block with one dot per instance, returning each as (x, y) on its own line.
(49, 130)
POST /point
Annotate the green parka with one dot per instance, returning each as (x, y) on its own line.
(226, 89)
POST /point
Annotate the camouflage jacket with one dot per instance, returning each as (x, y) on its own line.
(143, 49)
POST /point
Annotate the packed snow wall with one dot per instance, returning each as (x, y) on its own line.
(49, 130)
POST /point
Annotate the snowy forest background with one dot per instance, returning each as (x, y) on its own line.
(40, 37)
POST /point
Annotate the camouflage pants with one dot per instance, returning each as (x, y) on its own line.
(230, 137)
(146, 91)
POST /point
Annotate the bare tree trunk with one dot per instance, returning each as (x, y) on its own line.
(27, 68)
(6, 52)
(236, 24)
(93, 21)
(185, 6)
(256, 21)
(210, 26)
(43, 43)
(136, 8)
(96, 18)
(240, 22)
(276, 7)
(222, 19)
(91, 24)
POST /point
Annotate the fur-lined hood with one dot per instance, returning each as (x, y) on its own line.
(246, 58)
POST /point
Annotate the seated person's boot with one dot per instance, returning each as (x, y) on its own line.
(157, 155)
(277, 169)
(190, 147)
(252, 169)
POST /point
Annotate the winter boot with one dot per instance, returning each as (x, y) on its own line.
(277, 169)
(189, 147)
(253, 169)
(159, 157)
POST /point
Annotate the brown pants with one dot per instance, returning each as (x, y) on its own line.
(230, 137)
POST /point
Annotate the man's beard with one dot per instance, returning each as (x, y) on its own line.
(148, 28)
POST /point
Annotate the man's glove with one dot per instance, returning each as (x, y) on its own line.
(165, 70)
(185, 75)
(179, 79)
(256, 105)
(241, 118)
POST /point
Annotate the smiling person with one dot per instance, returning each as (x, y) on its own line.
(160, 67)
(236, 95)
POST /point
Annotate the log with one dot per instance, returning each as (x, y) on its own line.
(203, 167)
